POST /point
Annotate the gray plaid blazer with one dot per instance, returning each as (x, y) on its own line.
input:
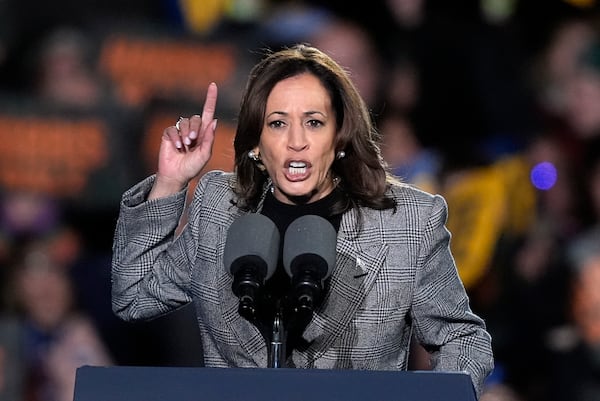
(393, 277)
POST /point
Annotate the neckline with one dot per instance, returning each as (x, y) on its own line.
(321, 207)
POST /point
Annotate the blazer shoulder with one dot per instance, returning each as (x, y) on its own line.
(217, 178)
(406, 194)
(214, 191)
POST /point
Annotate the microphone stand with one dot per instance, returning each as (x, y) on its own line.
(277, 346)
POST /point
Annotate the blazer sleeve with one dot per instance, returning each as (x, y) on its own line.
(150, 271)
(444, 322)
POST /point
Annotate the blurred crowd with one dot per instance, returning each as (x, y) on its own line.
(493, 103)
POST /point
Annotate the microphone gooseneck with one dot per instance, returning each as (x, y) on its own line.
(277, 346)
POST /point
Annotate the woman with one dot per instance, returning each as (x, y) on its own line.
(304, 145)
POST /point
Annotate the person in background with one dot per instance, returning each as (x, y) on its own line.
(345, 40)
(408, 158)
(51, 336)
(65, 73)
(578, 365)
(305, 145)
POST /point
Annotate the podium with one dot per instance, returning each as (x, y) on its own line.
(130, 383)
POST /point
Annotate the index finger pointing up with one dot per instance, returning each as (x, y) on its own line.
(210, 103)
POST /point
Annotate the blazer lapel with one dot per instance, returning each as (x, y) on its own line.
(359, 258)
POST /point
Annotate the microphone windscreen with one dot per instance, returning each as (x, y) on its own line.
(252, 238)
(310, 239)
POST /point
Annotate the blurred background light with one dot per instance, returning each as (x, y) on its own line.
(543, 175)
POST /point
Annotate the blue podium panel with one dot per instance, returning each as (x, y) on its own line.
(127, 383)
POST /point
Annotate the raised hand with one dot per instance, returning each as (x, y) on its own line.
(185, 148)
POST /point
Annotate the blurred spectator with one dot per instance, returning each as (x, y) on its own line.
(406, 156)
(582, 93)
(65, 73)
(353, 47)
(55, 337)
(557, 63)
(23, 215)
(578, 368)
(346, 40)
(408, 14)
(402, 89)
(27, 213)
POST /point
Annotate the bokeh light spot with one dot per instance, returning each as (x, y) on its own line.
(543, 175)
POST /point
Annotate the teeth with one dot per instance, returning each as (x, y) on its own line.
(297, 170)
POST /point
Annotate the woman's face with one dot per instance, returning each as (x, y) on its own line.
(297, 142)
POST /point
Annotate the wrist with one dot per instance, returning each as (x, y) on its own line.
(165, 186)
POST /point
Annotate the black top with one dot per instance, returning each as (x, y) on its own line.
(277, 288)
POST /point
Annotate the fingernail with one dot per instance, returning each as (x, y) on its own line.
(193, 135)
(178, 144)
(214, 125)
(187, 141)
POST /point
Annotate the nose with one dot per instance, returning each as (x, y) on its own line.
(297, 140)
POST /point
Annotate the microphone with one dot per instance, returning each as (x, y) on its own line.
(308, 258)
(250, 255)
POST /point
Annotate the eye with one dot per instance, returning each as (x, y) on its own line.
(314, 123)
(276, 124)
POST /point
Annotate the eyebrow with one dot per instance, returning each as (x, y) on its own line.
(306, 113)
